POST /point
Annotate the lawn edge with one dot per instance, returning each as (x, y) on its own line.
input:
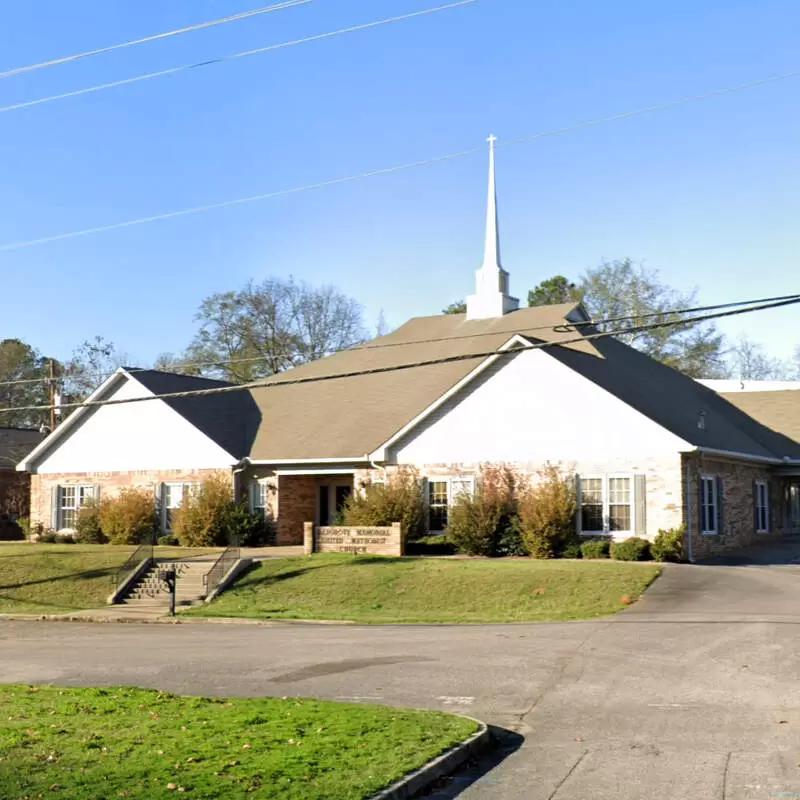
(415, 782)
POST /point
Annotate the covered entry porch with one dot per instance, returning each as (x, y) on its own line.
(309, 496)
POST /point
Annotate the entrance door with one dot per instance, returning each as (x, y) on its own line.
(342, 493)
(793, 506)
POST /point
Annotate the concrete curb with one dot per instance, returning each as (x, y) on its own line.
(441, 766)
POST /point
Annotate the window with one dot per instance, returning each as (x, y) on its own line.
(258, 496)
(437, 505)
(709, 510)
(70, 501)
(592, 505)
(441, 495)
(606, 504)
(762, 506)
(172, 499)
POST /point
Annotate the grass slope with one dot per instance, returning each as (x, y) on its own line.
(49, 578)
(124, 742)
(375, 589)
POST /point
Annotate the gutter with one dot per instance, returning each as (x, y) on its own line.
(747, 456)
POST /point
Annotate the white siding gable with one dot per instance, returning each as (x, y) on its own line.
(134, 436)
(533, 409)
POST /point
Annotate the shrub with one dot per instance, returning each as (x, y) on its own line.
(251, 528)
(203, 518)
(596, 548)
(64, 538)
(87, 525)
(547, 514)
(399, 499)
(438, 544)
(169, 540)
(130, 517)
(633, 549)
(47, 537)
(668, 545)
(486, 524)
(25, 526)
(572, 550)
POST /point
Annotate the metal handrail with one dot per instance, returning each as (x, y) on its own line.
(144, 552)
(227, 558)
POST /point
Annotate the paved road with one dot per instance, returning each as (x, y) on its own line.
(692, 693)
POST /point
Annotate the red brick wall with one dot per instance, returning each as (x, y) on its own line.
(297, 503)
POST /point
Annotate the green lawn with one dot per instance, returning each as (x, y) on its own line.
(87, 744)
(375, 589)
(50, 578)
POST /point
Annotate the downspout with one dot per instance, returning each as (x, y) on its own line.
(688, 515)
(237, 470)
(375, 466)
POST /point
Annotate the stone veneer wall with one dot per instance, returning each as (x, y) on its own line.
(738, 513)
(110, 483)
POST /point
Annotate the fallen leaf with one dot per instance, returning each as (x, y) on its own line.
(626, 599)
(539, 590)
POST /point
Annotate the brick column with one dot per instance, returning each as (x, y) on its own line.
(308, 538)
(397, 532)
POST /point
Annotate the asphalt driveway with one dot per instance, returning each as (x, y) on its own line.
(691, 693)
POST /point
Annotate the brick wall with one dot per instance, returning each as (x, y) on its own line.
(738, 515)
(110, 484)
(664, 484)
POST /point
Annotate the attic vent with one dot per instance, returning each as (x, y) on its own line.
(701, 420)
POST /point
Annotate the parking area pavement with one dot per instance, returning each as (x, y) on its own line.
(691, 693)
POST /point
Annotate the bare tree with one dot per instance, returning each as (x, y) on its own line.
(268, 327)
(751, 362)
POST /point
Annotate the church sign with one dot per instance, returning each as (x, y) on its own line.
(359, 540)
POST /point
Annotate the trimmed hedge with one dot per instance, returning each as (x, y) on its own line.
(633, 549)
(596, 548)
(668, 545)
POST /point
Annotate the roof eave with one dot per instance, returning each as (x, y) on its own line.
(786, 460)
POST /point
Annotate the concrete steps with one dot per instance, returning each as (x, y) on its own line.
(152, 593)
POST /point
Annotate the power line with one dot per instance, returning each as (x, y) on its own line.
(166, 35)
(272, 384)
(563, 328)
(389, 170)
(222, 59)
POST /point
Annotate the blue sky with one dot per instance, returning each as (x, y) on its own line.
(707, 193)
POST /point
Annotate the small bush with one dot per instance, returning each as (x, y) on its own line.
(47, 537)
(399, 499)
(547, 514)
(87, 525)
(572, 550)
(130, 517)
(25, 526)
(633, 549)
(64, 538)
(596, 548)
(249, 527)
(485, 524)
(169, 540)
(668, 545)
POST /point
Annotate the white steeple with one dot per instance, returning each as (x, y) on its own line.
(491, 298)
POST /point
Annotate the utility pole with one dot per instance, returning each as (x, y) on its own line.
(52, 395)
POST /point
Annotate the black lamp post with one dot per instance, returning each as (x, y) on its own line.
(169, 577)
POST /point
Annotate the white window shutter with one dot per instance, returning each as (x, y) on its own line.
(640, 505)
(720, 506)
(578, 515)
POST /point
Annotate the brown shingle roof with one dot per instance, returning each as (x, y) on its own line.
(348, 417)
(779, 411)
